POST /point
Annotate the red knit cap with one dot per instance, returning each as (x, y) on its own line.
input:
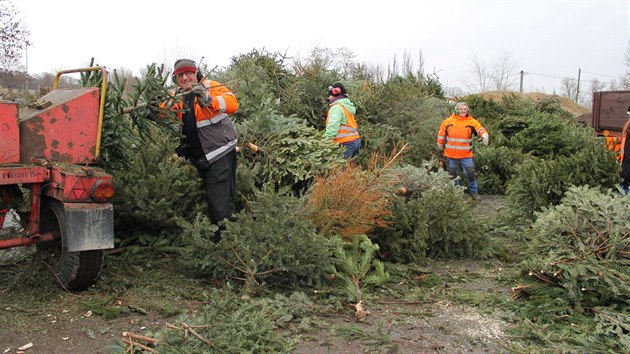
(184, 65)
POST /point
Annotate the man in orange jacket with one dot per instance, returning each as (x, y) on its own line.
(455, 139)
(613, 144)
(209, 136)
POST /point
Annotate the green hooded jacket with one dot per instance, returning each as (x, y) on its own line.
(336, 117)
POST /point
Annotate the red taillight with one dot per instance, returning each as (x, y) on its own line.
(103, 191)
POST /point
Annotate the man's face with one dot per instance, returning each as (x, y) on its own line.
(186, 80)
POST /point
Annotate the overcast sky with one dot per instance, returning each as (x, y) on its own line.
(547, 39)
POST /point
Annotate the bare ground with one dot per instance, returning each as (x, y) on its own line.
(55, 321)
(423, 326)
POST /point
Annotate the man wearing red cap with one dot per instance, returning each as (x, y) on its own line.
(210, 139)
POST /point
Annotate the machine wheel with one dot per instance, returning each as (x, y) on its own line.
(74, 270)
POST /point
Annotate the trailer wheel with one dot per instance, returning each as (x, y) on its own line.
(74, 270)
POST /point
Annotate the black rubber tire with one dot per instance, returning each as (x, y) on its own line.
(74, 270)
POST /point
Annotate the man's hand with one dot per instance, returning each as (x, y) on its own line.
(200, 163)
(201, 92)
(183, 150)
(485, 139)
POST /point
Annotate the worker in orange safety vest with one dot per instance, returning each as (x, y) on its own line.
(455, 140)
(613, 144)
(625, 156)
(340, 122)
(209, 137)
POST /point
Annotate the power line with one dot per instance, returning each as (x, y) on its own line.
(587, 72)
(471, 86)
(570, 78)
(555, 77)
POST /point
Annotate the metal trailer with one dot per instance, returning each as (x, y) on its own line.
(49, 175)
(609, 112)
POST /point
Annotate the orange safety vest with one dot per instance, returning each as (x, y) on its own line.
(624, 138)
(347, 132)
(456, 136)
(614, 144)
(223, 103)
(216, 131)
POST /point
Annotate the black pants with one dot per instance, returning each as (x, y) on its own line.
(625, 164)
(220, 183)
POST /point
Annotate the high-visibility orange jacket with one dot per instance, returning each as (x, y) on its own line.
(456, 136)
(215, 129)
(341, 120)
(614, 144)
(624, 140)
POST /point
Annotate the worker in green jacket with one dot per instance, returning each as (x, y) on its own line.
(340, 123)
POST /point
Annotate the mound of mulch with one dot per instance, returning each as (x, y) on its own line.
(567, 104)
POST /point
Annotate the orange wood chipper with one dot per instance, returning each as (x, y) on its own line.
(49, 177)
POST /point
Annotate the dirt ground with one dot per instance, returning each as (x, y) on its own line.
(422, 327)
(58, 321)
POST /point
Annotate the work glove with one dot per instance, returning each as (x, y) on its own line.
(183, 150)
(485, 139)
(200, 163)
(201, 92)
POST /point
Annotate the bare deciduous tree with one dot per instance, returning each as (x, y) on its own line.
(454, 92)
(343, 62)
(407, 67)
(14, 38)
(624, 82)
(340, 60)
(568, 87)
(503, 73)
(597, 85)
(126, 75)
(479, 78)
(500, 76)
(420, 71)
(319, 60)
(392, 68)
(613, 85)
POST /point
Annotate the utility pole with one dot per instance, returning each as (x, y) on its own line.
(520, 89)
(577, 92)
